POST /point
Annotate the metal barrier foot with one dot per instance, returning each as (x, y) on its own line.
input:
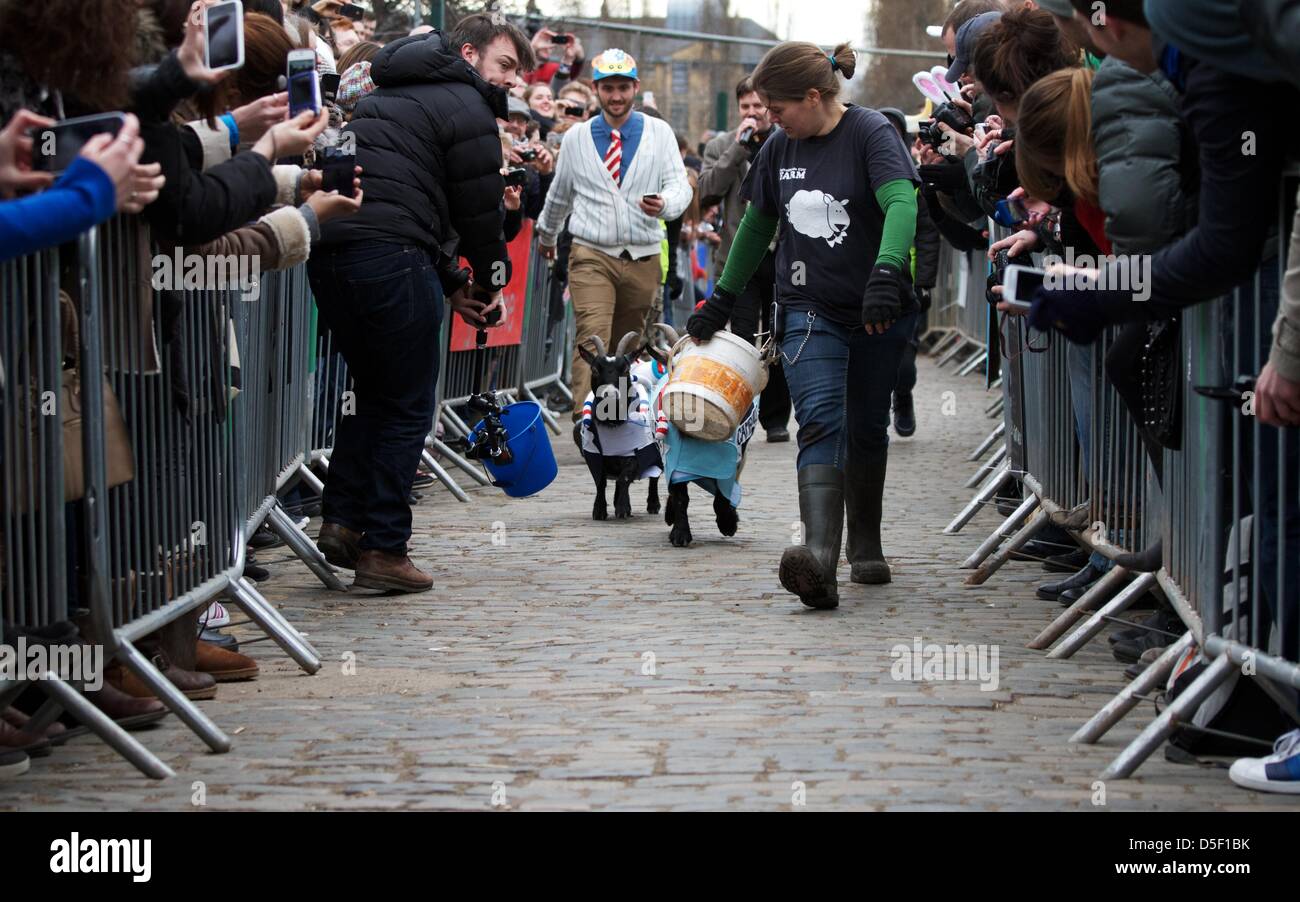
(982, 497)
(304, 548)
(1179, 711)
(1102, 589)
(1021, 538)
(987, 468)
(1097, 622)
(956, 349)
(103, 726)
(272, 622)
(549, 418)
(998, 431)
(990, 544)
(969, 366)
(312, 480)
(1134, 692)
(172, 697)
(475, 473)
(444, 477)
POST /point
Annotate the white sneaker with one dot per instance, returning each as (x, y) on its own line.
(215, 617)
(13, 763)
(1279, 772)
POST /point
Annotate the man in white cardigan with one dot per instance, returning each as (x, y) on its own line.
(617, 176)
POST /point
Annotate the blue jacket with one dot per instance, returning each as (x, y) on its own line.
(83, 198)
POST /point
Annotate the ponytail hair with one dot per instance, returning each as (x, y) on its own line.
(789, 71)
(1054, 137)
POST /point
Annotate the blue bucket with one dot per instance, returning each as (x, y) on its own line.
(533, 466)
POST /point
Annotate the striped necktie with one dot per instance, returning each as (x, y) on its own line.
(614, 156)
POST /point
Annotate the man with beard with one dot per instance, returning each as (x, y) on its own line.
(726, 162)
(619, 177)
(427, 143)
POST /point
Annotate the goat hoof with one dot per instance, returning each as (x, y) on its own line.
(727, 516)
(652, 507)
(680, 535)
(599, 513)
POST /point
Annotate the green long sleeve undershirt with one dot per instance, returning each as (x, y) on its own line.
(756, 230)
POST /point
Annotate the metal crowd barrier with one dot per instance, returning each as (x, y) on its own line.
(178, 471)
(1227, 510)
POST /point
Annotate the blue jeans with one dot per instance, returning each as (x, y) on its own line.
(383, 303)
(841, 381)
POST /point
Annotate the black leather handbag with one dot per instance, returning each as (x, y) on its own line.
(1161, 383)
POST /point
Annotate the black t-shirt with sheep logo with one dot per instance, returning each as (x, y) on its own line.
(823, 189)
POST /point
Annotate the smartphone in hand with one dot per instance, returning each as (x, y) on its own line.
(339, 172)
(223, 34)
(55, 148)
(1019, 285)
(304, 84)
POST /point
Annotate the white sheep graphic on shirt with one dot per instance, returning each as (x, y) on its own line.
(818, 215)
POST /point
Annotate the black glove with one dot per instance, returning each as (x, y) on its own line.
(923, 298)
(712, 316)
(946, 177)
(882, 302)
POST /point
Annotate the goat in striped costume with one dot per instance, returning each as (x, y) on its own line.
(617, 430)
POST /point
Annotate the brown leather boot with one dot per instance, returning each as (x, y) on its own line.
(128, 711)
(196, 686)
(392, 572)
(36, 746)
(224, 665)
(18, 720)
(340, 545)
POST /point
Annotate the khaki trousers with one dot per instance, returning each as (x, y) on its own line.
(611, 297)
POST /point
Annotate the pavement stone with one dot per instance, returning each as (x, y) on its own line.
(564, 664)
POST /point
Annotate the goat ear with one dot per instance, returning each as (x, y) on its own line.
(657, 354)
(586, 355)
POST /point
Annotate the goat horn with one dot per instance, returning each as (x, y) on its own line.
(626, 343)
(599, 345)
(668, 331)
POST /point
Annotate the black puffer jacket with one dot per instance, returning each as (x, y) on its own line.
(431, 159)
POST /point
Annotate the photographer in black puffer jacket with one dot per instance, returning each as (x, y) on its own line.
(428, 146)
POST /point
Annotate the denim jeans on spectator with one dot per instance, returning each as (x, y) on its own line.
(1081, 361)
(383, 303)
(1271, 518)
(841, 381)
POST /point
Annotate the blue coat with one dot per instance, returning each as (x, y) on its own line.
(81, 199)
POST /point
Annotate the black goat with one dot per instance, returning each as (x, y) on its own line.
(616, 432)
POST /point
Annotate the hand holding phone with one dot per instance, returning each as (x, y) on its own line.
(17, 172)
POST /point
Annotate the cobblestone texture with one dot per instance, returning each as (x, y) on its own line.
(520, 680)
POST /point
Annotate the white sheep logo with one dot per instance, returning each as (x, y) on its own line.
(818, 215)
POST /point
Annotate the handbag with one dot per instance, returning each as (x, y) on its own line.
(1161, 385)
(118, 459)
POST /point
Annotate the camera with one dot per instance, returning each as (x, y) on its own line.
(516, 176)
(950, 115)
(1001, 260)
(528, 156)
